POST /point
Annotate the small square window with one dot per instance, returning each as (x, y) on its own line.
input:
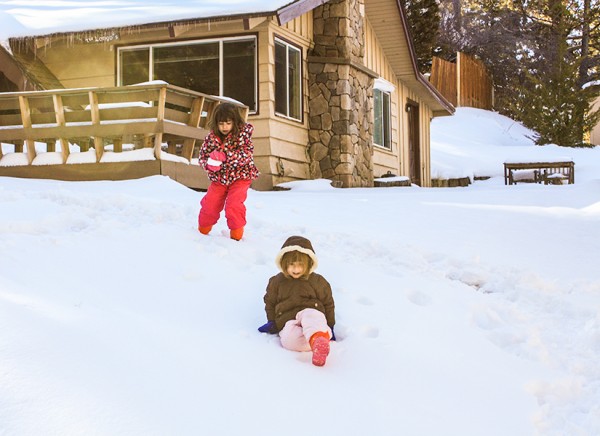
(382, 132)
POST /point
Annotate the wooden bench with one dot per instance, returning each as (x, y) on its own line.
(548, 173)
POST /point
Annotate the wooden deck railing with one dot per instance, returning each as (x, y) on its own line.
(147, 115)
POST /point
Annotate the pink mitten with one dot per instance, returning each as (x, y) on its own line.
(215, 159)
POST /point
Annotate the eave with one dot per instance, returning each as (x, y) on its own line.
(283, 15)
(388, 19)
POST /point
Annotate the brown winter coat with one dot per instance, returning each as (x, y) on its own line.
(285, 297)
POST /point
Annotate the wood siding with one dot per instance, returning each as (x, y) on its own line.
(281, 143)
(397, 160)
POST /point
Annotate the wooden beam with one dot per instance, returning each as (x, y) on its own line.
(118, 145)
(95, 116)
(188, 148)
(59, 111)
(252, 22)
(26, 122)
(196, 112)
(25, 112)
(194, 121)
(160, 117)
(295, 9)
(84, 145)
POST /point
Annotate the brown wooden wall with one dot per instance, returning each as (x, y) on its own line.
(464, 83)
(443, 77)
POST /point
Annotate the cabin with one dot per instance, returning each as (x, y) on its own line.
(331, 87)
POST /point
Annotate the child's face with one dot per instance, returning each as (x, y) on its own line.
(296, 269)
(225, 127)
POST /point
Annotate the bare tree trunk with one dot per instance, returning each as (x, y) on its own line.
(457, 11)
(585, 44)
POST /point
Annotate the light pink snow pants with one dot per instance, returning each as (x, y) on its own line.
(297, 332)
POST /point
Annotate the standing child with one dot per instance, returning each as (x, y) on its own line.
(227, 156)
(299, 302)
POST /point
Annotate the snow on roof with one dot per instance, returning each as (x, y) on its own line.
(21, 18)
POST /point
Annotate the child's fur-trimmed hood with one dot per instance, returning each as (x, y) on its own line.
(297, 243)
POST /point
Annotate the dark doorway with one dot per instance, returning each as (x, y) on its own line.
(414, 142)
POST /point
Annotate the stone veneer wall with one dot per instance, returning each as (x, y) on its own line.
(340, 96)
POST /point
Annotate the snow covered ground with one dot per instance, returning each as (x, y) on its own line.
(460, 311)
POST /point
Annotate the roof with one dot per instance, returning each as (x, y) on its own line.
(27, 18)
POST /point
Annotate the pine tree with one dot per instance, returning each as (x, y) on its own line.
(423, 17)
(554, 102)
(544, 56)
(555, 106)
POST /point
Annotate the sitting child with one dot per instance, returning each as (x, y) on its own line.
(299, 303)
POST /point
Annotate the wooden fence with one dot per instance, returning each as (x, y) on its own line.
(464, 83)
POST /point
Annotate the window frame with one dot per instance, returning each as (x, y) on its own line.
(151, 46)
(290, 46)
(386, 89)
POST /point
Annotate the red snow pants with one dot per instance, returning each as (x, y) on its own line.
(231, 197)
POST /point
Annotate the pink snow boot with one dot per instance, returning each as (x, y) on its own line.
(319, 344)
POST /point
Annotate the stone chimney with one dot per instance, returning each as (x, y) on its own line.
(340, 96)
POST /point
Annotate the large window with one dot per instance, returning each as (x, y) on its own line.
(382, 129)
(288, 80)
(224, 67)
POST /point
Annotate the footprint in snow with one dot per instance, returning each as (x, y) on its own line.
(418, 298)
(364, 301)
(487, 319)
(370, 332)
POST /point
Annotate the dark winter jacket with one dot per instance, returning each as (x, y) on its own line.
(286, 296)
(240, 156)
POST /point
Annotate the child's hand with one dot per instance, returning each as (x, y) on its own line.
(269, 327)
(215, 159)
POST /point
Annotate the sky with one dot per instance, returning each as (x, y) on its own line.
(460, 311)
(42, 17)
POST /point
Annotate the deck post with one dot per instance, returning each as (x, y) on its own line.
(95, 117)
(26, 121)
(59, 110)
(194, 121)
(160, 118)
